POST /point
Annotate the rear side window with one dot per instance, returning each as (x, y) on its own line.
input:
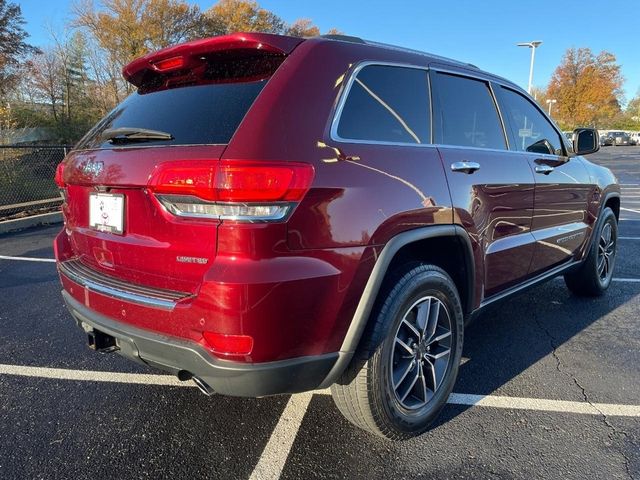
(387, 104)
(531, 131)
(200, 114)
(466, 114)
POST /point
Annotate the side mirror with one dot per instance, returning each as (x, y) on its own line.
(585, 141)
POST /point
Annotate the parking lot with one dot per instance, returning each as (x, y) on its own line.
(549, 388)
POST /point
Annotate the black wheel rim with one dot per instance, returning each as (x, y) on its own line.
(606, 252)
(421, 353)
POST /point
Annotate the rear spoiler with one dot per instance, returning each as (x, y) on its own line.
(189, 55)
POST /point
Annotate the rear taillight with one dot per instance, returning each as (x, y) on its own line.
(60, 182)
(194, 178)
(58, 177)
(237, 190)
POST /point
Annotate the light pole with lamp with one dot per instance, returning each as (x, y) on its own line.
(550, 102)
(532, 45)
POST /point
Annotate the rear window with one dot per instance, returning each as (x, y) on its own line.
(200, 114)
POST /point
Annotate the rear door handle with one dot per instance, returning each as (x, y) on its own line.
(544, 169)
(465, 167)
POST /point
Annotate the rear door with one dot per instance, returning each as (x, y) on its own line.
(491, 187)
(563, 186)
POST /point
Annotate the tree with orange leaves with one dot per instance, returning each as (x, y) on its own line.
(587, 88)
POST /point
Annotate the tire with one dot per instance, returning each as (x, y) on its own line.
(423, 297)
(593, 277)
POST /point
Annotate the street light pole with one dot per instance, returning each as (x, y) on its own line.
(532, 45)
(550, 102)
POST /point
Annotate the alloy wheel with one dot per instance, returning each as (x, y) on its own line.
(421, 352)
(606, 252)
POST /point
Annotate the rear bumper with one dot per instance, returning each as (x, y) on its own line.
(172, 354)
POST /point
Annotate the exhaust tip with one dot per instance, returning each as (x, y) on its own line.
(203, 386)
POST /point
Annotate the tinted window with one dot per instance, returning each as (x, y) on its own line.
(203, 114)
(467, 115)
(387, 104)
(531, 131)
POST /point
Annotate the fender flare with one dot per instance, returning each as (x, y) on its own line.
(608, 196)
(372, 288)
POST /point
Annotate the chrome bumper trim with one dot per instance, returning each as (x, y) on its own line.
(113, 287)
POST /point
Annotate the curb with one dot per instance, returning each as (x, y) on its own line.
(9, 226)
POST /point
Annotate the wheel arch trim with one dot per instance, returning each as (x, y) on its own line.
(608, 196)
(374, 283)
(603, 204)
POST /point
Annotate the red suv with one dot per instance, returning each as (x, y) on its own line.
(270, 215)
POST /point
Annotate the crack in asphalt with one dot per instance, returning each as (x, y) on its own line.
(614, 433)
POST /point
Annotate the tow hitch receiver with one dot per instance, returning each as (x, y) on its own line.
(101, 342)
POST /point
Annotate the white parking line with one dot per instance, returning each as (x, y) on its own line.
(293, 412)
(629, 210)
(28, 259)
(278, 447)
(276, 451)
(541, 404)
(628, 238)
(92, 376)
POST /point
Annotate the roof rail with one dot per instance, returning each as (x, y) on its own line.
(419, 52)
(348, 38)
(343, 38)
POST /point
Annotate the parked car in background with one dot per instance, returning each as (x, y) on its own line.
(606, 140)
(620, 138)
(635, 138)
(269, 215)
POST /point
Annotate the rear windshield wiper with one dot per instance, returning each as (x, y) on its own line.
(127, 134)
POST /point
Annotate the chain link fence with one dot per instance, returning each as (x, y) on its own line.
(26, 179)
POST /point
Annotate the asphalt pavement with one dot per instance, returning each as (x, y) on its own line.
(549, 388)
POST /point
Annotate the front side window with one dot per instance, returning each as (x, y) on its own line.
(531, 131)
(387, 104)
(466, 115)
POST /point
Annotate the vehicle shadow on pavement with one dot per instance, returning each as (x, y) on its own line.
(513, 350)
(508, 339)
(63, 429)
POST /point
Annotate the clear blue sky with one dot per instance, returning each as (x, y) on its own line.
(480, 32)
